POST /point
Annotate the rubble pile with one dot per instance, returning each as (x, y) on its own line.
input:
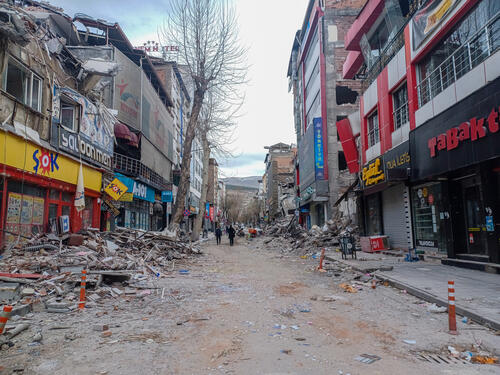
(287, 234)
(44, 273)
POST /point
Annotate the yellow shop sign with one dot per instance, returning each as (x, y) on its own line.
(26, 156)
(372, 173)
(116, 189)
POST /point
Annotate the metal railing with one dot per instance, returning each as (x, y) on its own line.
(134, 167)
(484, 43)
(401, 116)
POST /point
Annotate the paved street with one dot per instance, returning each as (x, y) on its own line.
(248, 310)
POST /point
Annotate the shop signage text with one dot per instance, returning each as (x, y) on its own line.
(427, 243)
(140, 190)
(373, 173)
(116, 189)
(474, 129)
(166, 196)
(45, 161)
(76, 145)
(398, 161)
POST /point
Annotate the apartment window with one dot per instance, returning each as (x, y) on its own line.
(400, 106)
(70, 115)
(342, 161)
(23, 84)
(313, 110)
(312, 77)
(373, 137)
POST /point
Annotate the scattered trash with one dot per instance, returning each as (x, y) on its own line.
(484, 360)
(410, 342)
(465, 320)
(454, 352)
(348, 288)
(286, 351)
(300, 339)
(295, 328)
(367, 358)
(436, 309)
(279, 326)
(183, 272)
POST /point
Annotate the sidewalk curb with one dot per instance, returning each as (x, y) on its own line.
(426, 296)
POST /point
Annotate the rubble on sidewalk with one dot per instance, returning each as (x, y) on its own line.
(44, 273)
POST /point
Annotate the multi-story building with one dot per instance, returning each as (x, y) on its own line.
(321, 98)
(196, 179)
(52, 125)
(144, 152)
(279, 173)
(429, 141)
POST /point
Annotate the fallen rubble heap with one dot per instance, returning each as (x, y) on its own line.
(44, 273)
(289, 236)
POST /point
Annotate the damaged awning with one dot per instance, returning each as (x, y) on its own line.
(348, 142)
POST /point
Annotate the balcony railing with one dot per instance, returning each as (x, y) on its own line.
(134, 167)
(401, 116)
(474, 51)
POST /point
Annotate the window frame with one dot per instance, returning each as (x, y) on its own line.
(31, 76)
(402, 111)
(77, 109)
(375, 132)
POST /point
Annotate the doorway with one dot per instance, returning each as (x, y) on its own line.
(474, 216)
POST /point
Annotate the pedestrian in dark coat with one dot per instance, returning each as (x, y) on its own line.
(218, 234)
(231, 233)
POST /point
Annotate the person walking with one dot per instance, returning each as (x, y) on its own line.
(231, 233)
(218, 234)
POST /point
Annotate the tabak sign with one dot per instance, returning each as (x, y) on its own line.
(373, 173)
(472, 130)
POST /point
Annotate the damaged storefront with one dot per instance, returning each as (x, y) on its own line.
(456, 178)
(38, 190)
(386, 197)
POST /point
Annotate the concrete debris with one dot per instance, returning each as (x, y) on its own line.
(119, 264)
(289, 236)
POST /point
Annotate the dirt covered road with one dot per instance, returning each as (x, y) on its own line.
(248, 310)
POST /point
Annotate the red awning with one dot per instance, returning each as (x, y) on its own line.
(134, 139)
(365, 20)
(352, 63)
(348, 145)
(122, 131)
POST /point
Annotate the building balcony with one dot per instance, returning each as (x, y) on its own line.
(472, 53)
(135, 168)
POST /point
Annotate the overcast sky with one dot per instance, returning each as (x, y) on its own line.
(267, 27)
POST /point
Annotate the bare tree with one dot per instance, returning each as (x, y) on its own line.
(206, 32)
(217, 121)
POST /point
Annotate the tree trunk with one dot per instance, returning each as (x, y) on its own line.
(204, 188)
(184, 182)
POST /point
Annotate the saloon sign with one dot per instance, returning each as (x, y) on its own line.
(78, 146)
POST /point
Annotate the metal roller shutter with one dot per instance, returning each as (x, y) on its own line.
(396, 216)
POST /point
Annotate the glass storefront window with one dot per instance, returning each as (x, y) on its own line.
(429, 216)
(25, 210)
(373, 214)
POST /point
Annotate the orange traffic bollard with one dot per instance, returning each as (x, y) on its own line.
(4, 316)
(452, 318)
(321, 258)
(81, 305)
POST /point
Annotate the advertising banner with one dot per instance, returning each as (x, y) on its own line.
(319, 165)
(429, 17)
(116, 189)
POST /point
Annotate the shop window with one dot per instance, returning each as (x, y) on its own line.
(87, 213)
(23, 84)
(24, 212)
(70, 115)
(373, 131)
(57, 205)
(400, 106)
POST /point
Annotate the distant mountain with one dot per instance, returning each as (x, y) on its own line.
(251, 182)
